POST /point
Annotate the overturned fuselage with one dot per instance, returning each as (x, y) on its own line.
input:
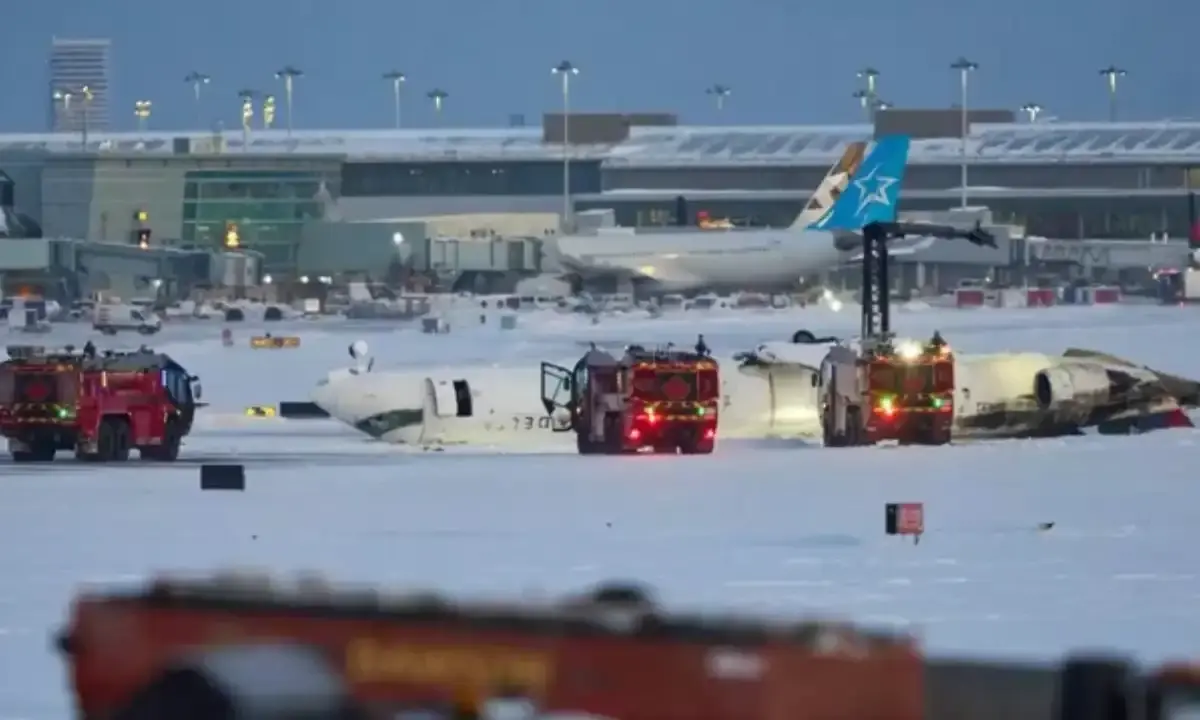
(772, 391)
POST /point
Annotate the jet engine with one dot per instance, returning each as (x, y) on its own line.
(1072, 383)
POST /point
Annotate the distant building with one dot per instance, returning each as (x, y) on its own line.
(76, 64)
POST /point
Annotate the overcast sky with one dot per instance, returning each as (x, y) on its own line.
(787, 61)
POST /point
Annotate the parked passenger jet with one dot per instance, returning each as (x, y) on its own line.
(855, 193)
(771, 391)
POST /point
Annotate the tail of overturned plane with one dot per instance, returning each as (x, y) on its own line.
(832, 187)
(873, 191)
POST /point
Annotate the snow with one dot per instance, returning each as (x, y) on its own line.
(760, 526)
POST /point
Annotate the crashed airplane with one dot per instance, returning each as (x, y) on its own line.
(772, 391)
(1006, 395)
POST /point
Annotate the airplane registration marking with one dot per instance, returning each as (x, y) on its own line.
(527, 423)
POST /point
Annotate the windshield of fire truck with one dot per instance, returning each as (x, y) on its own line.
(909, 378)
(675, 384)
(36, 385)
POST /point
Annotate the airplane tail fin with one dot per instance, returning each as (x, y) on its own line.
(873, 191)
(832, 187)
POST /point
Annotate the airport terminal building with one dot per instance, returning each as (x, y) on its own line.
(341, 201)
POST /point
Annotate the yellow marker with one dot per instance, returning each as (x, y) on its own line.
(260, 411)
(264, 342)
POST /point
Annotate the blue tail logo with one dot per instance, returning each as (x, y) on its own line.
(872, 192)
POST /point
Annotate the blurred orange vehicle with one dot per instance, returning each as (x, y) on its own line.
(610, 654)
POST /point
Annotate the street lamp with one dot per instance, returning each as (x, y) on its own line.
(288, 75)
(84, 93)
(247, 97)
(64, 97)
(197, 80)
(141, 110)
(864, 100)
(396, 78)
(1110, 75)
(964, 67)
(719, 92)
(870, 76)
(1032, 110)
(565, 70)
(438, 97)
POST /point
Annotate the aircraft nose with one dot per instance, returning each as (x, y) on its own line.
(329, 395)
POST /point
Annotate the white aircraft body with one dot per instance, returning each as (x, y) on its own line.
(772, 391)
(854, 193)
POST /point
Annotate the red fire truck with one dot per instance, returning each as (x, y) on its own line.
(101, 405)
(888, 390)
(660, 400)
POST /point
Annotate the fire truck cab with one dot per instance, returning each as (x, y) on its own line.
(660, 400)
(885, 389)
(101, 405)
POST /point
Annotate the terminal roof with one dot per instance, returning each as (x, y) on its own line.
(679, 146)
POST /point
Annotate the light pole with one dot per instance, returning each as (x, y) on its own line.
(719, 93)
(565, 70)
(1110, 75)
(964, 67)
(869, 93)
(141, 110)
(438, 97)
(197, 80)
(268, 112)
(864, 100)
(1032, 110)
(288, 75)
(396, 78)
(247, 97)
(64, 97)
(85, 93)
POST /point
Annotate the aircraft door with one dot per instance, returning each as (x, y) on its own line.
(445, 398)
(557, 387)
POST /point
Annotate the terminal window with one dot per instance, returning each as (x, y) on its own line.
(383, 179)
(269, 206)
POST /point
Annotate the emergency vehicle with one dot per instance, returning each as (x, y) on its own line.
(164, 650)
(659, 400)
(882, 389)
(100, 405)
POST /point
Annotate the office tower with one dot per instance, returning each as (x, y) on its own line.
(76, 64)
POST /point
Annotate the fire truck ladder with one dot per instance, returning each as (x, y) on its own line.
(876, 307)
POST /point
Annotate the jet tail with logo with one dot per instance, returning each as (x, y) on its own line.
(873, 191)
(832, 187)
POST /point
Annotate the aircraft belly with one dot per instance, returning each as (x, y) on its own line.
(994, 395)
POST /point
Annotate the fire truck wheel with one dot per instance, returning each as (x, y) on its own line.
(169, 450)
(854, 433)
(584, 444)
(120, 440)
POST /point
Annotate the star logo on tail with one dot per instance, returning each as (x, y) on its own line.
(873, 189)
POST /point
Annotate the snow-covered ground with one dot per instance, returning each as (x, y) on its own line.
(758, 526)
